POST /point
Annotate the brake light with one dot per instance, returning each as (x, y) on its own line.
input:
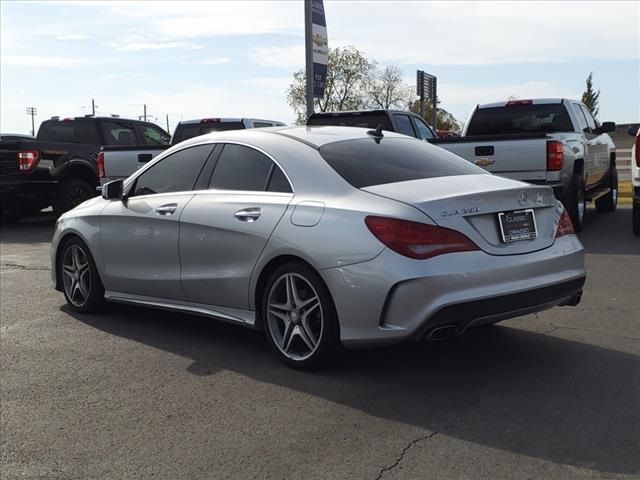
(638, 149)
(565, 227)
(210, 120)
(555, 156)
(417, 240)
(511, 103)
(28, 160)
(100, 164)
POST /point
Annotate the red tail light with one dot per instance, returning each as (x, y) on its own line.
(565, 227)
(417, 240)
(28, 160)
(555, 156)
(638, 149)
(100, 164)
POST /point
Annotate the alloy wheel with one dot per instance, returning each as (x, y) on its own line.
(294, 316)
(76, 275)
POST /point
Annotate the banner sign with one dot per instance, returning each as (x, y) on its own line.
(320, 44)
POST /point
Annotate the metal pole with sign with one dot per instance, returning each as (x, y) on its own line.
(426, 85)
(317, 50)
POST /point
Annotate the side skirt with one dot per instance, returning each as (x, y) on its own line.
(226, 314)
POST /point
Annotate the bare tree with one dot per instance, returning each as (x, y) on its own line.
(386, 89)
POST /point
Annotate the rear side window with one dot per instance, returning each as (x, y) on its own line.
(404, 125)
(515, 119)
(241, 168)
(119, 133)
(69, 131)
(152, 135)
(186, 131)
(590, 121)
(365, 121)
(365, 162)
(177, 172)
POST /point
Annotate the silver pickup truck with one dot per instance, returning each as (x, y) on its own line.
(117, 162)
(554, 142)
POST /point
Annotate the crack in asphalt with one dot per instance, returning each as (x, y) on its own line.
(25, 267)
(591, 330)
(403, 453)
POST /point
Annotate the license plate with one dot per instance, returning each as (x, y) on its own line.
(517, 225)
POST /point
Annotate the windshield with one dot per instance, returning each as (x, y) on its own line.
(547, 118)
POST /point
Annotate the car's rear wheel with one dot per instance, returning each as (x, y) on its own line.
(575, 202)
(636, 217)
(81, 283)
(608, 202)
(300, 318)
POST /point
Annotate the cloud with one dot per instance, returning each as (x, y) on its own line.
(214, 61)
(137, 46)
(73, 37)
(291, 57)
(46, 61)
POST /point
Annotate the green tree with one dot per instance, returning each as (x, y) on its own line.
(444, 119)
(347, 73)
(590, 97)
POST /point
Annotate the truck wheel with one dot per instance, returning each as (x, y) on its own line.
(608, 202)
(70, 193)
(636, 217)
(575, 201)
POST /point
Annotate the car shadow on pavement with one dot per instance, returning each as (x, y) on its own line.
(609, 233)
(527, 393)
(36, 229)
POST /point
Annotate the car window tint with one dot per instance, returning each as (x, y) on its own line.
(367, 162)
(424, 132)
(590, 121)
(522, 118)
(404, 125)
(278, 182)
(241, 168)
(119, 133)
(154, 136)
(175, 173)
(69, 131)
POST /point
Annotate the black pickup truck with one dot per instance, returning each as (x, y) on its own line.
(59, 168)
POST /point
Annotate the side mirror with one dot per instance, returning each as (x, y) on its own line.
(112, 190)
(607, 127)
(633, 130)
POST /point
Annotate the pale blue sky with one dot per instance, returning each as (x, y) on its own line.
(198, 59)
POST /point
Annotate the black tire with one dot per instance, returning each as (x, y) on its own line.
(326, 336)
(574, 200)
(70, 193)
(609, 202)
(92, 298)
(636, 217)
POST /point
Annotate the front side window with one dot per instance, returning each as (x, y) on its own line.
(424, 132)
(404, 125)
(154, 136)
(177, 172)
(582, 121)
(243, 168)
(119, 133)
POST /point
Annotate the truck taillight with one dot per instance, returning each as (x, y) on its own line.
(100, 164)
(28, 160)
(638, 149)
(555, 156)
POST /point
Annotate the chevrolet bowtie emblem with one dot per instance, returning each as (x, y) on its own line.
(319, 40)
(484, 162)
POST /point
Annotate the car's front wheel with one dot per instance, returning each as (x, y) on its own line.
(608, 202)
(300, 318)
(81, 283)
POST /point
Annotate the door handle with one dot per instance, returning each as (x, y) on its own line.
(168, 209)
(144, 157)
(248, 214)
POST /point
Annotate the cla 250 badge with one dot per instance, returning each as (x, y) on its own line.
(459, 211)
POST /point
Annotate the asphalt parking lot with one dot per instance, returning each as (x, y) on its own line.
(135, 393)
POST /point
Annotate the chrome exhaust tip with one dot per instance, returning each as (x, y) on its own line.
(442, 333)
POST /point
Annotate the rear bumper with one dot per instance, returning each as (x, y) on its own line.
(392, 298)
(15, 193)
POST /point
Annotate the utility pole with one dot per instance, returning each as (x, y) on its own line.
(308, 44)
(93, 108)
(33, 112)
(145, 112)
(168, 124)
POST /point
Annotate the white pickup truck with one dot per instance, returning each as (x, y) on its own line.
(554, 142)
(115, 162)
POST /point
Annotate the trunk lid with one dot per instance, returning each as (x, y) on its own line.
(470, 204)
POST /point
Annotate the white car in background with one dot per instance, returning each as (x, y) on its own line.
(635, 178)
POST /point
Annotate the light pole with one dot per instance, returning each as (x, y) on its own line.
(33, 112)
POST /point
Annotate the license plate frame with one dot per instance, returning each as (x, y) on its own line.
(515, 230)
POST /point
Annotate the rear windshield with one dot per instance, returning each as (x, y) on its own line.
(546, 118)
(190, 130)
(69, 131)
(366, 121)
(367, 162)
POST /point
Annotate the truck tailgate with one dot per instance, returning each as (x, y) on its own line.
(520, 159)
(120, 162)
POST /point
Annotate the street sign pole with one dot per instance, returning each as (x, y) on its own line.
(434, 100)
(308, 44)
(420, 88)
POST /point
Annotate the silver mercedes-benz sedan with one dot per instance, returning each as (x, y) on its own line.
(323, 237)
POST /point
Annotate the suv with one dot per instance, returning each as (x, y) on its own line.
(400, 121)
(58, 168)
